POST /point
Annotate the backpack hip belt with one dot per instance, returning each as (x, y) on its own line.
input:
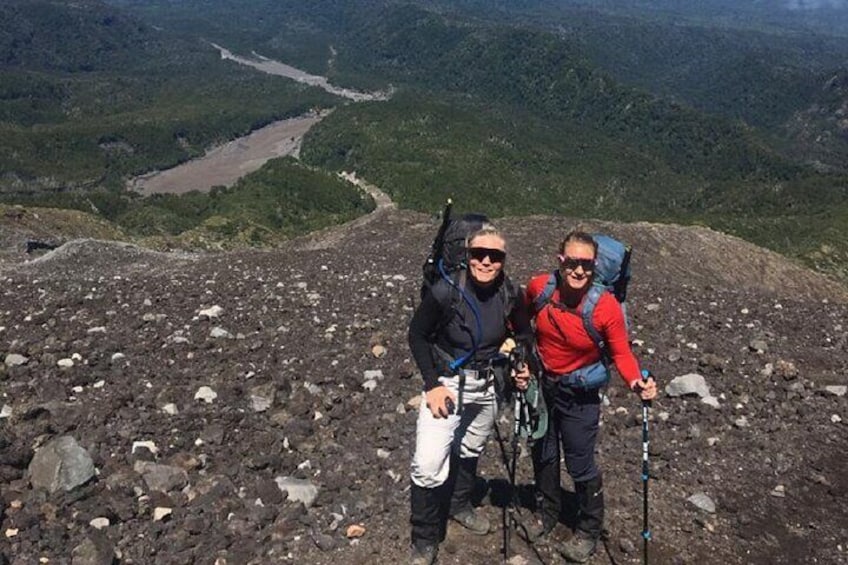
(590, 377)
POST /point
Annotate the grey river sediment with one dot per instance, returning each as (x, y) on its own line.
(225, 164)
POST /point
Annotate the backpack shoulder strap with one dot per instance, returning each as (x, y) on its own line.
(547, 292)
(509, 296)
(590, 302)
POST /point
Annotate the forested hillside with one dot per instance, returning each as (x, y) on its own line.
(89, 95)
(513, 111)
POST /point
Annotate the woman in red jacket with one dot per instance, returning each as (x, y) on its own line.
(564, 346)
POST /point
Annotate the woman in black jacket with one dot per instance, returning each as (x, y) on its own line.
(455, 337)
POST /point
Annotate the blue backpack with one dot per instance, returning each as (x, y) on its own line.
(612, 274)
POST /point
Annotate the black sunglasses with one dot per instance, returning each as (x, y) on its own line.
(571, 264)
(480, 253)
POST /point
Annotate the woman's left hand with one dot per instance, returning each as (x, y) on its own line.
(647, 389)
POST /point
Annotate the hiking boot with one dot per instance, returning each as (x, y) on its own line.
(538, 529)
(475, 522)
(579, 547)
(423, 554)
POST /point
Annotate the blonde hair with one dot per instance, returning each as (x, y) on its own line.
(486, 229)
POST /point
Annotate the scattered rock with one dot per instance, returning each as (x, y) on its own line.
(262, 397)
(298, 490)
(15, 360)
(836, 390)
(161, 513)
(702, 502)
(220, 333)
(61, 464)
(212, 312)
(99, 523)
(355, 531)
(162, 478)
(206, 394)
(689, 384)
(94, 550)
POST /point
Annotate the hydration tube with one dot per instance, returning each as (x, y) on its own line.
(458, 363)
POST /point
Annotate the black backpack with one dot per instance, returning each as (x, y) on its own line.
(447, 254)
(447, 260)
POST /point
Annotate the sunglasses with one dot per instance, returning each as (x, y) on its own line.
(480, 253)
(571, 263)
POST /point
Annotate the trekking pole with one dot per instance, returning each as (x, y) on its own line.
(646, 533)
(519, 411)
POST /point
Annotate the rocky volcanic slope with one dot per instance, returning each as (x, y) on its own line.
(105, 351)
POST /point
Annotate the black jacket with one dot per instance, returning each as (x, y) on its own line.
(444, 319)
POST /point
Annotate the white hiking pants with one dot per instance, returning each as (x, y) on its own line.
(465, 433)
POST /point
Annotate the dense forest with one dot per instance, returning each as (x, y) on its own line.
(609, 110)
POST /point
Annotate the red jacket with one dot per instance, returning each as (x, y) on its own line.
(565, 346)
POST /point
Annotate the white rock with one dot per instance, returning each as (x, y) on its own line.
(779, 491)
(838, 390)
(375, 375)
(205, 394)
(5, 412)
(15, 359)
(11, 532)
(299, 490)
(711, 401)
(383, 453)
(212, 312)
(691, 383)
(118, 357)
(370, 385)
(99, 384)
(835, 419)
(220, 333)
(703, 502)
(146, 444)
(77, 389)
(66, 362)
(97, 330)
(99, 523)
(160, 513)
(170, 409)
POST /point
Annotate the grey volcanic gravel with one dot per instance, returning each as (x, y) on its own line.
(299, 327)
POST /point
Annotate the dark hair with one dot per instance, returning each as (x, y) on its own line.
(579, 236)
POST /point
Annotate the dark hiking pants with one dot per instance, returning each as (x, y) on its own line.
(573, 427)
